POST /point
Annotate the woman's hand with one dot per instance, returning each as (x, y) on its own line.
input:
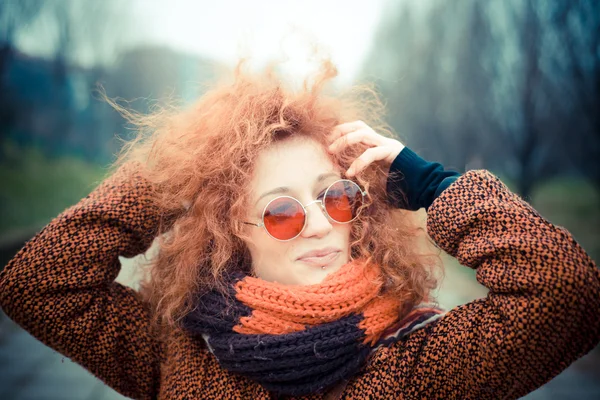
(381, 148)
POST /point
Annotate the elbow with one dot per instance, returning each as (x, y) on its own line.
(10, 289)
(580, 278)
(18, 284)
(577, 296)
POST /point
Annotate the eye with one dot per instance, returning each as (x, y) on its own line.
(321, 195)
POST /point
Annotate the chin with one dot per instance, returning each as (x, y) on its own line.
(317, 275)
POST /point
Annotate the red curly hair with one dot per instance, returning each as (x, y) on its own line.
(201, 159)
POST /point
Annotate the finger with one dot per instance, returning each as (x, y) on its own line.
(367, 158)
(364, 135)
(345, 128)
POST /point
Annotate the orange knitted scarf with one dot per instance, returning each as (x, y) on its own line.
(355, 288)
(296, 340)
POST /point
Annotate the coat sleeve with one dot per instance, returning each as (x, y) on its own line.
(61, 286)
(540, 314)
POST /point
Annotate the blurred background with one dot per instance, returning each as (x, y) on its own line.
(512, 86)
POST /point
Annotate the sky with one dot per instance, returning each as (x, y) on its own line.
(266, 29)
(229, 29)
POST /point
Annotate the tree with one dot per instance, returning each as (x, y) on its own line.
(13, 16)
(507, 85)
(576, 29)
(430, 68)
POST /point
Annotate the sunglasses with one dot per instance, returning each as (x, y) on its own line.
(284, 217)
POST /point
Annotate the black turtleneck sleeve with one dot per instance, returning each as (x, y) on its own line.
(414, 183)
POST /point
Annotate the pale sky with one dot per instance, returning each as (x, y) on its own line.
(227, 30)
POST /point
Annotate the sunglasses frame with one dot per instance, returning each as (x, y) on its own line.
(322, 204)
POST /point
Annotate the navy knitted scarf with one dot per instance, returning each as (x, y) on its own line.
(296, 340)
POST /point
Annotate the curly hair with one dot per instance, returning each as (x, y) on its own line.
(200, 160)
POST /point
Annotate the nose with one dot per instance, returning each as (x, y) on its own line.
(317, 223)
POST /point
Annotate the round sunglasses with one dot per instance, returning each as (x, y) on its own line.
(284, 217)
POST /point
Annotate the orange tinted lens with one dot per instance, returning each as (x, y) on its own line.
(343, 200)
(284, 218)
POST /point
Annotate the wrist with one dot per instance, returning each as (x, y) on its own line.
(414, 183)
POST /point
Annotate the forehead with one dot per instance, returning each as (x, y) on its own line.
(293, 163)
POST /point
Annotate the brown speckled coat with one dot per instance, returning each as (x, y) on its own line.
(540, 315)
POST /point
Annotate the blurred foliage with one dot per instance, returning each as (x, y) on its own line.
(37, 188)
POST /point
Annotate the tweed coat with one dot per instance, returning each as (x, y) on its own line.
(540, 315)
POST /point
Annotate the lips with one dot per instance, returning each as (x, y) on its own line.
(320, 257)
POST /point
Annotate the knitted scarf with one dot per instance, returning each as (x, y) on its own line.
(296, 340)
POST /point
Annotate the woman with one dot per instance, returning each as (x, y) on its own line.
(286, 269)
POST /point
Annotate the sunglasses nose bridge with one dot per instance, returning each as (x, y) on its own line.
(321, 206)
(316, 225)
(313, 202)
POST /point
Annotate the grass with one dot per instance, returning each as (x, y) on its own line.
(575, 205)
(37, 189)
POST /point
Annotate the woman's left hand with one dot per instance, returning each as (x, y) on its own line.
(381, 148)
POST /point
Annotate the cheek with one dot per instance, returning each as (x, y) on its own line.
(344, 231)
(345, 236)
(268, 255)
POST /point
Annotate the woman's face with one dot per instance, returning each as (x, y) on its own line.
(300, 168)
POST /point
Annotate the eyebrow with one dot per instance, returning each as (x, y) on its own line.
(285, 189)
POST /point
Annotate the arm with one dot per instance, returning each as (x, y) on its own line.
(540, 315)
(60, 286)
(414, 183)
(541, 312)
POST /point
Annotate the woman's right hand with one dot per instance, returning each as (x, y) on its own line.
(382, 149)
